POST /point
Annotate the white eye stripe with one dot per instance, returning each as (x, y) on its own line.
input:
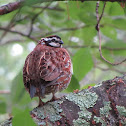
(46, 39)
(53, 44)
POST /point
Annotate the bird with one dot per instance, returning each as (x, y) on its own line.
(47, 69)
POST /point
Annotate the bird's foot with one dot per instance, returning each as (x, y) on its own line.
(41, 103)
(54, 98)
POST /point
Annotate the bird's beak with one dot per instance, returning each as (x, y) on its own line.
(61, 42)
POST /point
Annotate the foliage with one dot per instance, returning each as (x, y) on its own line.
(75, 23)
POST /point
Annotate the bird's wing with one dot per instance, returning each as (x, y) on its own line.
(48, 66)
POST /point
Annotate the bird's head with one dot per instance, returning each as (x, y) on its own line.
(53, 41)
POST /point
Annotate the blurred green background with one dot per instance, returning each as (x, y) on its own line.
(75, 23)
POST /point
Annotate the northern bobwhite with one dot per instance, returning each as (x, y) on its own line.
(47, 68)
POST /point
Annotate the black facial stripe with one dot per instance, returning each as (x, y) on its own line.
(54, 36)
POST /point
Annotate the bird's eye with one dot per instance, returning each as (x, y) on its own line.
(53, 40)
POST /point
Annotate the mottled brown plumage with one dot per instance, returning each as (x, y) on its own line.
(47, 68)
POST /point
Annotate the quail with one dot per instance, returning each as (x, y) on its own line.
(47, 69)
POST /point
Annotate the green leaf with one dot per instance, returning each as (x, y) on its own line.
(88, 34)
(116, 9)
(83, 11)
(2, 107)
(32, 2)
(16, 111)
(106, 21)
(113, 55)
(82, 63)
(19, 93)
(74, 84)
(109, 32)
(116, 44)
(111, 9)
(23, 119)
(7, 17)
(124, 9)
(119, 23)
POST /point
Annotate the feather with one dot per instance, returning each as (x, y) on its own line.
(32, 91)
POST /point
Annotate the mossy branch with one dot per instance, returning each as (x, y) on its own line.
(104, 104)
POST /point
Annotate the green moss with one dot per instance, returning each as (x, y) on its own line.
(85, 115)
(80, 122)
(99, 120)
(84, 100)
(121, 110)
(51, 111)
(42, 123)
(104, 111)
(122, 113)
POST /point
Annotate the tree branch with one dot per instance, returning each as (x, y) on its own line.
(34, 17)
(20, 33)
(110, 69)
(10, 7)
(10, 25)
(103, 104)
(99, 35)
(49, 8)
(64, 29)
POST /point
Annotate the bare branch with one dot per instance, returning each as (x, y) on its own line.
(34, 17)
(65, 29)
(99, 35)
(110, 69)
(10, 7)
(50, 8)
(20, 33)
(10, 25)
(99, 19)
(12, 41)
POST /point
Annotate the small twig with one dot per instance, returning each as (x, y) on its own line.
(108, 69)
(12, 41)
(78, 4)
(99, 19)
(35, 38)
(50, 8)
(4, 92)
(10, 25)
(20, 33)
(64, 29)
(99, 35)
(68, 11)
(34, 18)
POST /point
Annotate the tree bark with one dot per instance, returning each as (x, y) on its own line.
(101, 105)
